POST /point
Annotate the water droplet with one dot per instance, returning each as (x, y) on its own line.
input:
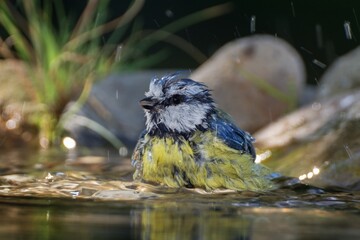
(237, 32)
(123, 151)
(253, 24)
(319, 64)
(118, 53)
(49, 177)
(263, 156)
(47, 215)
(306, 50)
(169, 13)
(292, 9)
(347, 29)
(156, 23)
(348, 151)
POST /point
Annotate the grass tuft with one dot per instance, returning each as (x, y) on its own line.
(64, 55)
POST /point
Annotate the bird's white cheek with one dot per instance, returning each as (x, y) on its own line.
(184, 117)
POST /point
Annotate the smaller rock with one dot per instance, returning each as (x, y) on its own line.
(342, 76)
(319, 143)
(256, 79)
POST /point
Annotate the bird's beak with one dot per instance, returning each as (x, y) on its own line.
(148, 103)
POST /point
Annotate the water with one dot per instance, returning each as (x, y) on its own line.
(65, 219)
(68, 196)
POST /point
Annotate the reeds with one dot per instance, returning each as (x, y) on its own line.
(65, 55)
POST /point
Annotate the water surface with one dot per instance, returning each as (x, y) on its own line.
(55, 196)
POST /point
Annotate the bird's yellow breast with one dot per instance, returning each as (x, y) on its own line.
(164, 158)
(201, 161)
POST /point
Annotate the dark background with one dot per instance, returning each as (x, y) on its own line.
(314, 28)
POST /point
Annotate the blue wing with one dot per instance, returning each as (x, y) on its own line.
(232, 136)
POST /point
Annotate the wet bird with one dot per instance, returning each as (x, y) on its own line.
(189, 142)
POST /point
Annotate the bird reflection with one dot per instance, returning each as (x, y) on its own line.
(175, 220)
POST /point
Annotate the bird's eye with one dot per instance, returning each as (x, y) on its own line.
(175, 100)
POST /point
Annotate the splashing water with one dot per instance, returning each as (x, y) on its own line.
(253, 24)
(347, 29)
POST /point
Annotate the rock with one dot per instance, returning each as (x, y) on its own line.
(256, 79)
(342, 76)
(113, 104)
(319, 143)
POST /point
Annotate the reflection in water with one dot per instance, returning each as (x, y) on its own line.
(48, 222)
(172, 220)
(156, 219)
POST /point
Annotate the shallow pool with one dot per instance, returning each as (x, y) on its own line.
(55, 196)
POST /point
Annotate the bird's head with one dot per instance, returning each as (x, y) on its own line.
(176, 105)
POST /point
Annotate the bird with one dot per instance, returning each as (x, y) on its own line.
(190, 142)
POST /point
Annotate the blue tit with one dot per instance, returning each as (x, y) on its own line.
(189, 142)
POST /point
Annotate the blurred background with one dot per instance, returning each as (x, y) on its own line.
(60, 49)
(72, 73)
(318, 30)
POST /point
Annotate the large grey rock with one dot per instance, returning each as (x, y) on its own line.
(342, 76)
(319, 143)
(256, 79)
